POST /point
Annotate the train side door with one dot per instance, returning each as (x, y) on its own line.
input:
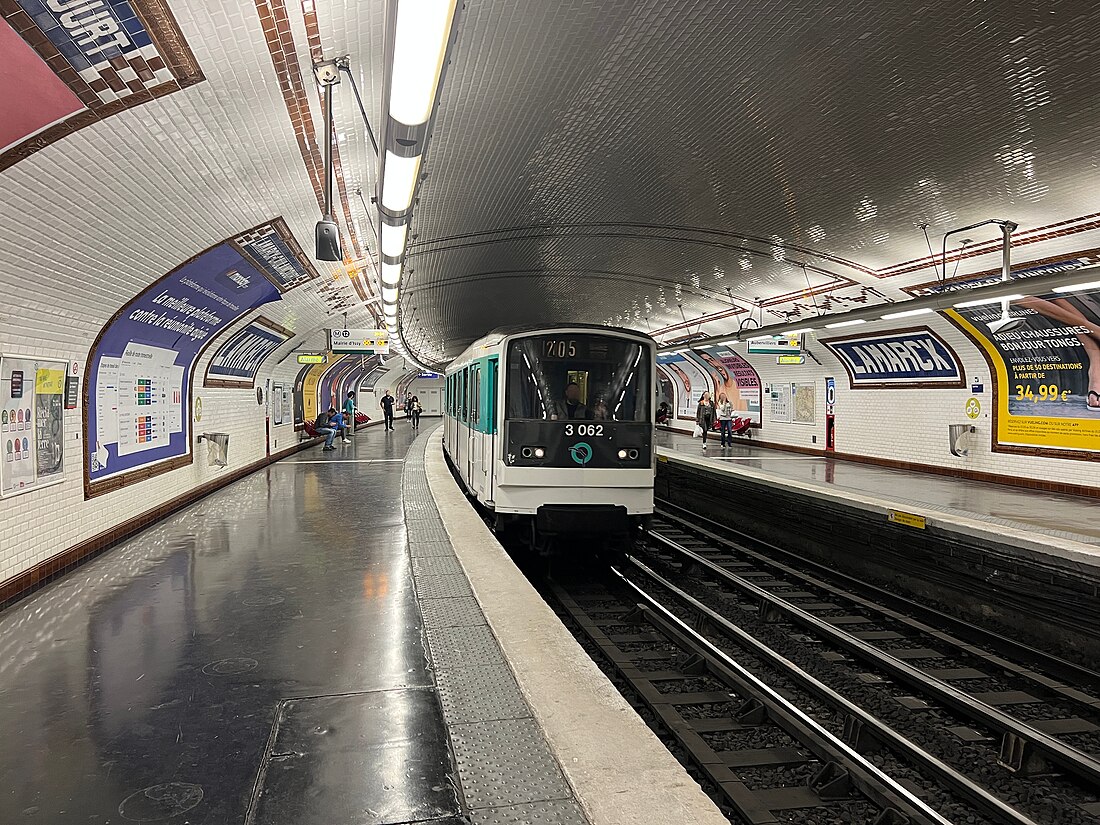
(489, 442)
(474, 449)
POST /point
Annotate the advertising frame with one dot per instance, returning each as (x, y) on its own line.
(31, 384)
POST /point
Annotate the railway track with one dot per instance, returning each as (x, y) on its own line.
(1013, 727)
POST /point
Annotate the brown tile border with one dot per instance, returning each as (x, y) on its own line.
(25, 583)
(1046, 486)
(163, 30)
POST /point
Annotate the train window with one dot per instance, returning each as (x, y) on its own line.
(466, 394)
(583, 376)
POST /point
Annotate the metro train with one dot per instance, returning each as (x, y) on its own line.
(551, 429)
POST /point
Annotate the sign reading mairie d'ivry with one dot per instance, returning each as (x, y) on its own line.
(898, 358)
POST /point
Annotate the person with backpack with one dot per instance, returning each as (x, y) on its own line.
(324, 426)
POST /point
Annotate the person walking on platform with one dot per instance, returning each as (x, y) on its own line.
(725, 419)
(324, 427)
(349, 415)
(414, 411)
(387, 409)
(704, 416)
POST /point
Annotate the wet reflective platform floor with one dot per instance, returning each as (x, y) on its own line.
(256, 657)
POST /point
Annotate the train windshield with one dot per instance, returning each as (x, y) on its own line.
(577, 376)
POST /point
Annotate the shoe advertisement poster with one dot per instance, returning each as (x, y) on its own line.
(1044, 352)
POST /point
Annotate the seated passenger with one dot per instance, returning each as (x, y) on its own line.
(324, 427)
(571, 408)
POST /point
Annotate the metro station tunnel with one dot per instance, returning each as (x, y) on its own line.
(545, 412)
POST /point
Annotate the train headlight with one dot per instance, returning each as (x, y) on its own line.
(539, 452)
(622, 454)
(632, 454)
(526, 452)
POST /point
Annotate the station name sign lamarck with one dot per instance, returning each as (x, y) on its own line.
(898, 358)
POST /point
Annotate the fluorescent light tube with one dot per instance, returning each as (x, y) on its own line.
(909, 313)
(391, 274)
(399, 181)
(419, 43)
(393, 239)
(980, 301)
(798, 331)
(845, 323)
(1078, 287)
(389, 294)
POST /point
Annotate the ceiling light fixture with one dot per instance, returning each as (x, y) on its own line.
(393, 239)
(909, 313)
(389, 294)
(982, 301)
(1078, 287)
(399, 181)
(419, 45)
(851, 323)
(391, 274)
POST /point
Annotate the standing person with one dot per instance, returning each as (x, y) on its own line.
(725, 419)
(387, 409)
(704, 416)
(416, 409)
(324, 427)
(349, 415)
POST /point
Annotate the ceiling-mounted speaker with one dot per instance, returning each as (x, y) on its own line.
(327, 236)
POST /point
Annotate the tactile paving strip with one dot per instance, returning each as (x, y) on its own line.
(480, 695)
(554, 812)
(442, 587)
(451, 612)
(458, 647)
(436, 565)
(508, 774)
(506, 762)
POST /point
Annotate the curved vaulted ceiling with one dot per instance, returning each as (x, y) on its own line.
(644, 162)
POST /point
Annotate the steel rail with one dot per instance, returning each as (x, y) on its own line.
(959, 783)
(1070, 759)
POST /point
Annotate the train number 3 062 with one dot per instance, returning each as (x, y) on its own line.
(584, 429)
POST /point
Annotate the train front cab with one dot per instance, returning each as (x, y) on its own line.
(592, 473)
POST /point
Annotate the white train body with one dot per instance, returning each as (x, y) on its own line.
(555, 424)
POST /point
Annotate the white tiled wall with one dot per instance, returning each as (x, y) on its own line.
(88, 222)
(908, 425)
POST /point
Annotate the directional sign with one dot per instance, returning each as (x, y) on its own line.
(359, 341)
(307, 358)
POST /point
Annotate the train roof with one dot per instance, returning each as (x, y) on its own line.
(496, 335)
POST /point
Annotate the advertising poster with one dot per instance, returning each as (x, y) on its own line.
(690, 380)
(32, 396)
(1047, 367)
(139, 370)
(237, 361)
(737, 378)
(804, 403)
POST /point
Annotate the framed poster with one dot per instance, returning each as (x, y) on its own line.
(137, 390)
(736, 378)
(32, 423)
(1044, 362)
(804, 403)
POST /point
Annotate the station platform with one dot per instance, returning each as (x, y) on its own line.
(1070, 521)
(334, 639)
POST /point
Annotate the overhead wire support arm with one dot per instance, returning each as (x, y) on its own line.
(344, 64)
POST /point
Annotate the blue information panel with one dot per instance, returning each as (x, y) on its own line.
(140, 368)
(912, 357)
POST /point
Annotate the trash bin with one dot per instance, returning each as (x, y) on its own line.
(956, 435)
(217, 449)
